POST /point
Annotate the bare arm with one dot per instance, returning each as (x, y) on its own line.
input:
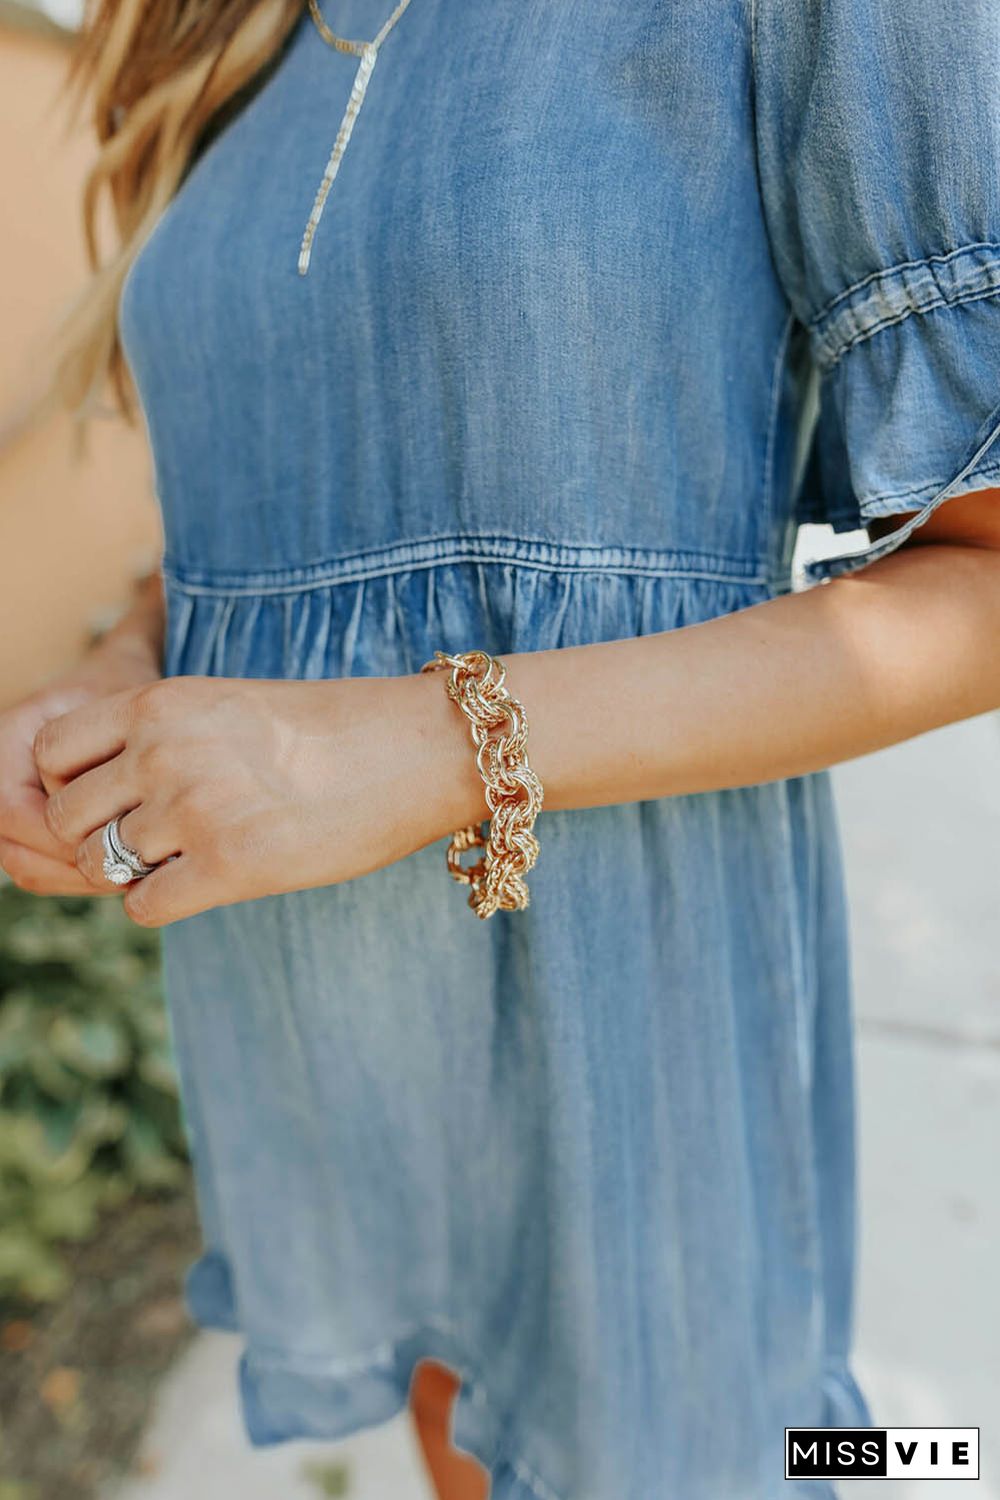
(260, 786)
(775, 690)
(139, 633)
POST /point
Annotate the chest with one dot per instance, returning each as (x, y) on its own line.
(514, 169)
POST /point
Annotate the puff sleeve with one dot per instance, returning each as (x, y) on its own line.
(878, 142)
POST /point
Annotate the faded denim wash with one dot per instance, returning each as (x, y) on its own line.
(587, 276)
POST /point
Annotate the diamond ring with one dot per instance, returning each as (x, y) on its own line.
(121, 863)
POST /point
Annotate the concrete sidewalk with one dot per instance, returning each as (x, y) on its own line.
(921, 827)
(921, 832)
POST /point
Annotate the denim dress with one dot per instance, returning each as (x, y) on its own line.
(605, 302)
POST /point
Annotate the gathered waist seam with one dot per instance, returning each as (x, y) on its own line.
(429, 552)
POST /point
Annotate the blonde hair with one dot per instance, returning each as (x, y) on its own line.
(161, 75)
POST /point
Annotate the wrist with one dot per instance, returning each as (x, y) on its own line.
(137, 637)
(444, 758)
(448, 758)
(131, 651)
(115, 662)
(475, 682)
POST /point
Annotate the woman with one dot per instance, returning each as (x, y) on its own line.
(546, 384)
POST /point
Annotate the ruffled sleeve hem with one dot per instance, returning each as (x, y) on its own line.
(909, 411)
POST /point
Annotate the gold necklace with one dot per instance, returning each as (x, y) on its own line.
(367, 52)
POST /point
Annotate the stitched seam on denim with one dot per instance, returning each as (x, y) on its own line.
(503, 543)
(231, 591)
(897, 318)
(841, 324)
(493, 546)
(444, 551)
(987, 470)
(377, 1355)
(903, 265)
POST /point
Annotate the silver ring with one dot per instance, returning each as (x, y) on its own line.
(121, 862)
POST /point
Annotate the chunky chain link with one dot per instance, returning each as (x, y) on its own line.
(513, 792)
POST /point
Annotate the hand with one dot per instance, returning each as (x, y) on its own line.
(239, 788)
(30, 853)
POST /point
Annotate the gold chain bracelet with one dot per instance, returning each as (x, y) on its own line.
(513, 792)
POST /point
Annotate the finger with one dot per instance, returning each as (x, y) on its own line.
(23, 821)
(41, 874)
(84, 737)
(177, 889)
(139, 830)
(90, 800)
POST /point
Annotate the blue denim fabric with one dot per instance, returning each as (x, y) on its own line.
(585, 279)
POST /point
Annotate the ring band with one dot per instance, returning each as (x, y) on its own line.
(122, 863)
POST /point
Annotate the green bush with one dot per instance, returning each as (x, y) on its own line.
(88, 1098)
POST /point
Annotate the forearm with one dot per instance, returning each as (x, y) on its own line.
(775, 690)
(277, 785)
(139, 633)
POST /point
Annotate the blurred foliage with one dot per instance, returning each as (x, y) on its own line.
(89, 1112)
(331, 1480)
